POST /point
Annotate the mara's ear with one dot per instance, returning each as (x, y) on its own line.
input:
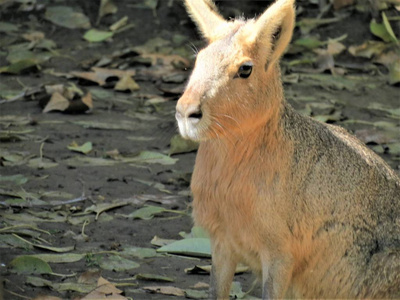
(272, 31)
(205, 14)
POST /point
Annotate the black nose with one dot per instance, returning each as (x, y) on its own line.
(196, 114)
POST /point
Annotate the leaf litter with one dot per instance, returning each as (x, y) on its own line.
(121, 78)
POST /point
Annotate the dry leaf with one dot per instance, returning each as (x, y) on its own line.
(105, 290)
(106, 7)
(165, 290)
(338, 4)
(90, 276)
(126, 83)
(33, 36)
(100, 75)
(57, 102)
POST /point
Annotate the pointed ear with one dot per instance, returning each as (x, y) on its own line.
(273, 31)
(205, 14)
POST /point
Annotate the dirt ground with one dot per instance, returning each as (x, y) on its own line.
(53, 196)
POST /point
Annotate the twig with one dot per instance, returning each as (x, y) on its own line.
(15, 294)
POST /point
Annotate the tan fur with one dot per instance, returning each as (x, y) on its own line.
(310, 209)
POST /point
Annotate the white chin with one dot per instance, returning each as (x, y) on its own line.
(188, 131)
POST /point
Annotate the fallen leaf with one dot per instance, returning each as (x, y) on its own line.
(180, 145)
(308, 24)
(85, 148)
(20, 66)
(107, 7)
(384, 30)
(60, 258)
(14, 179)
(338, 4)
(139, 252)
(105, 290)
(65, 16)
(119, 24)
(126, 83)
(41, 163)
(194, 294)
(27, 264)
(117, 263)
(153, 277)
(165, 290)
(157, 241)
(65, 286)
(8, 27)
(85, 161)
(57, 102)
(367, 49)
(394, 72)
(116, 125)
(198, 247)
(96, 36)
(146, 213)
(152, 158)
(101, 75)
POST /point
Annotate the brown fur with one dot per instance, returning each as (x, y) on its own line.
(310, 209)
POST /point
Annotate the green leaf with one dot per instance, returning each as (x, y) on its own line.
(41, 163)
(181, 145)
(309, 42)
(95, 35)
(60, 287)
(139, 252)
(384, 30)
(60, 258)
(147, 212)
(18, 179)
(118, 264)
(30, 265)
(8, 27)
(85, 161)
(153, 277)
(394, 72)
(19, 66)
(198, 247)
(195, 294)
(152, 158)
(85, 148)
(64, 16)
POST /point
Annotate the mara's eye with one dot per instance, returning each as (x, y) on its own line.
(245, 70)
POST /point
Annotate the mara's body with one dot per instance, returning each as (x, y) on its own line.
(308, 207)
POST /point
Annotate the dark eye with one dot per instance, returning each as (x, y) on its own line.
(245, 70)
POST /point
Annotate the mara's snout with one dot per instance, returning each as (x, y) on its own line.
(189, 116)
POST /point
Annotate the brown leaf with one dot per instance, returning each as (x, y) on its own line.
(338, 4)
(89, 277)
(105, 290)
(57, 102)
(165, 290)
(33, 36)
(100, 75)
(87, 100)
(126, 83)
(44, 297)
(367, 49)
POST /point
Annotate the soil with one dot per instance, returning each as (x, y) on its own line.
(54, 131)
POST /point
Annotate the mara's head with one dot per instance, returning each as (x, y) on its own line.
(235, 83)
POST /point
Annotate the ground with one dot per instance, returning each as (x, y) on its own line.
(61, 199)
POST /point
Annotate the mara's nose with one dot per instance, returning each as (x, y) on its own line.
(189, 111)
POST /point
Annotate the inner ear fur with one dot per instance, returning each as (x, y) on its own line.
(206, 16)
(272, 31)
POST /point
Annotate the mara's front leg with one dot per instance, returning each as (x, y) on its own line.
(224, 263)
(276, 275)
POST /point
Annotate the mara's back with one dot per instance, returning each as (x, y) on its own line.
(346, 200)
(310, 209)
